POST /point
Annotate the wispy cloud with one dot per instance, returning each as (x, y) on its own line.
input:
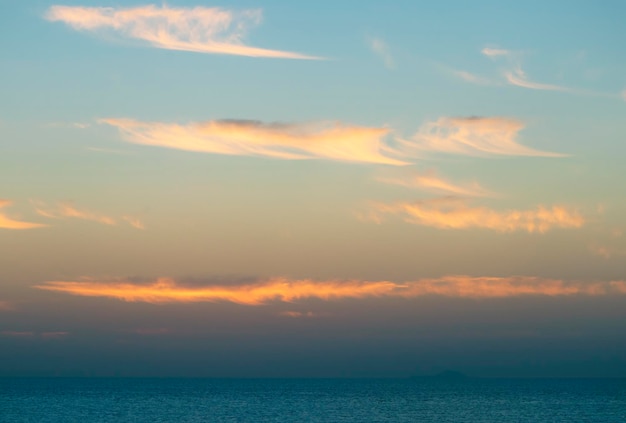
(165, 290)
(198, 29)
(514, 74)
(470, 77)
(65, 210)
(478, 136)
(381, 49)
(454, 213)
(430, 181)
(7, 222)
(326, 140)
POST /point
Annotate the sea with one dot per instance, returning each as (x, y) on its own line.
(155, 400)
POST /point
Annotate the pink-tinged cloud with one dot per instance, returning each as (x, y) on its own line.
(447, 213)
(17, 334)
(326, 140)
(476, 136)
(6, 306)
(606, 251)
(198, 29)
(65, 210)
(7, 222)
(31, 334)
(431, 182)
(165, 290)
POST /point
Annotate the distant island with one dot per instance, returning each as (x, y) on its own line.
(444, 375)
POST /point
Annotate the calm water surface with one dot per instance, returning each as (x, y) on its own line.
(271, 400)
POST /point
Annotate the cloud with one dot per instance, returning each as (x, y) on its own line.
(31, 334)
(515, 75)
(495, 52)
(451, 213)
(380, 48)
(6, 306)
(198, 29)
(606, 251)
(64, 210)
(8, 223)
(430, 181)
(470, 77)
(475, 136)
(165, 290)
(325, 140)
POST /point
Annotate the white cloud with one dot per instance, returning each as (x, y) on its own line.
(381, 49)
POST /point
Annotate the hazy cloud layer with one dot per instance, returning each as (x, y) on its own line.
(165, 290)
(477, 136)
(325, 140)
(6, 306)
(198, 29)
(65, 210)
(31, 334)
(430, 181)
(451, 213)
(7, 222)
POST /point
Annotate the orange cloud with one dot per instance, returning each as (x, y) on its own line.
(449, 213)
(63, 210)
(471, 136)
(329, 140)
(8, 223)
(430, 181)
(165, 290)
(198, 29)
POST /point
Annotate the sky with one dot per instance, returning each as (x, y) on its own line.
(312, 189)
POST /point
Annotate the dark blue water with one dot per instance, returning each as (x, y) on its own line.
(298, 400)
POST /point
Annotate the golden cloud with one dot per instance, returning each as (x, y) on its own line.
(166, 290)
(198, 29)
(450, 213)
(474, 136)
(326, 140)
(8, 223)
(430, 181)
(64, 210)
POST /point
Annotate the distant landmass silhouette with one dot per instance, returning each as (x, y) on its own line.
(444, 375)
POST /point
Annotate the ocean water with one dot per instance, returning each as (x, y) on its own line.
(311, 400)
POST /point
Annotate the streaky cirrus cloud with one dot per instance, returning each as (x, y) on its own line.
(322, 140)
(198, 29)
(454, 213)
(514, 74)
(65, 210)
(430, 181)
(166, 290)
(474, 136)
(381, 49)
(7, 222)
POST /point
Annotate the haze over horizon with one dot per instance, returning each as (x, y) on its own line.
(317, 189)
